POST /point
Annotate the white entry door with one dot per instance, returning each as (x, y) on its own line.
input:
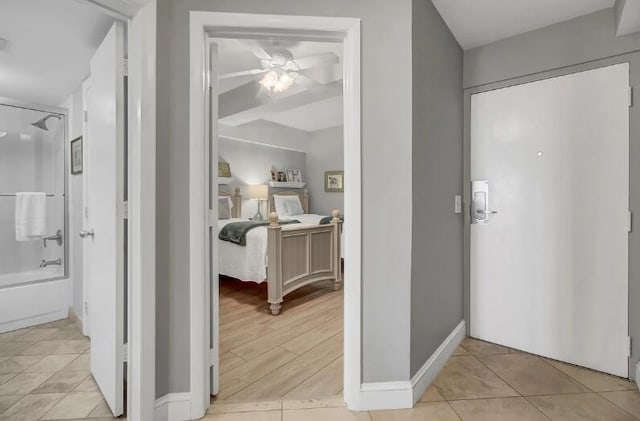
(549, 271)
(103, 217)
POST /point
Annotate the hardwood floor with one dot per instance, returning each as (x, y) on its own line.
(295, 355)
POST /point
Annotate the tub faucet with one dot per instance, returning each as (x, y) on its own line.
(45, 263)
(57, 238)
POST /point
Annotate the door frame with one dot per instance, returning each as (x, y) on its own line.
(141, 25)
(634, 284)
(347, 30)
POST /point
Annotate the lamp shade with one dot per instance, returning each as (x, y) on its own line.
(259, 192)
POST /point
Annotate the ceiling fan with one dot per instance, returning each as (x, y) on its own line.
(280, 70)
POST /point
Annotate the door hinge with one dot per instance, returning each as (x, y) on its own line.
(630, 222)
(125, 353)
(125, 210)
(630, 96)
(211, 220)
(86, 116)
(628, 346)
(212, 357)
(125, 67)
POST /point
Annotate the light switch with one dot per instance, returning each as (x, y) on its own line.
(458, 204)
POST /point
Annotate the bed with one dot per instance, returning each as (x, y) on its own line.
(287, 257)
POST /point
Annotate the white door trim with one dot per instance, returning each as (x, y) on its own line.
(349, 30)
(141, 368)
(141, 364)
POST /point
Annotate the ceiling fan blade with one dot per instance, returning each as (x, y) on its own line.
(256, 49)
(242, 73)
(317, 60)
(306, 82)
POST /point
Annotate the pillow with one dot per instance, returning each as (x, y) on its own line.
(287, 205)
(224, 207)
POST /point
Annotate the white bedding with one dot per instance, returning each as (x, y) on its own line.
(250, 263)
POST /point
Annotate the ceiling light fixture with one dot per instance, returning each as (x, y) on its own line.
(278, 80)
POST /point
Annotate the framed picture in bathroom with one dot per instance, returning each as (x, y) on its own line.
(76, 156)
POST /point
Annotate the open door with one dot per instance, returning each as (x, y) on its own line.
(212, 186)
(103, 232)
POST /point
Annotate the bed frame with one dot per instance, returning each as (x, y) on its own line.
(297, 255)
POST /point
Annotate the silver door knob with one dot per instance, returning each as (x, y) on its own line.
(85, 234)
(486, 212)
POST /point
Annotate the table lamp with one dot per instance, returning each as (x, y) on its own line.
(259, 192)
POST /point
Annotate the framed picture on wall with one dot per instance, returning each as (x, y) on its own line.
(224, 169)
(334, 181)
(76, 156)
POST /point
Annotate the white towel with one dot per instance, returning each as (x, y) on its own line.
(31, 216)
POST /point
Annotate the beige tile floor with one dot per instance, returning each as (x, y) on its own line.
(44, 375)
(481, 382)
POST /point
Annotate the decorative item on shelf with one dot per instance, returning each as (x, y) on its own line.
(259, 192)
(76, 156)
(286, 175)
(334, 181)
(224, 169)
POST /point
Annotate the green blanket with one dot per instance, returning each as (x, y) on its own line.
(327, 220)
(236, 232)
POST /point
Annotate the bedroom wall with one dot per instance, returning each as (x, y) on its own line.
(251, 164)
(386, 144)
(437, 235)
(325, 152)
(567, 47)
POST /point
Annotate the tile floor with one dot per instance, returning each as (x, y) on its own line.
(481, 382)
(44, 375)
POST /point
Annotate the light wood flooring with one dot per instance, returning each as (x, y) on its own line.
(295, 355)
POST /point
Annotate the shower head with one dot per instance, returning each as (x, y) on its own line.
(42, 123)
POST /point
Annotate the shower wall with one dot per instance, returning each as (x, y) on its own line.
(31, 160)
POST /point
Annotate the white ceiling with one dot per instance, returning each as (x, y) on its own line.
(479, 22)
(50, 47)
(304, 109)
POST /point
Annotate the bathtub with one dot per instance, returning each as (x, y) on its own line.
(50, 272)
(34, 297)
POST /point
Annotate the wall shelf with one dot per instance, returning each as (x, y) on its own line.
(225, 180)
(286, 185)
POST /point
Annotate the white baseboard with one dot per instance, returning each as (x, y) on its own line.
(404, 394)
(428, 372)
(173, 407)
(385, 395)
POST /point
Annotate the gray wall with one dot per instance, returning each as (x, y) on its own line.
(325, 152)
(251, 163)
(437, 235)
(577, 45)
(386, 144)
(579, 40)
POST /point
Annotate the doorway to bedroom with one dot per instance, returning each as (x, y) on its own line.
(279, 175)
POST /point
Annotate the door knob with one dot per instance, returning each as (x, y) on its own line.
(486, 212)
(85, 234)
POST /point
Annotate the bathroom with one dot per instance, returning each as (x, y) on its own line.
(33, 216)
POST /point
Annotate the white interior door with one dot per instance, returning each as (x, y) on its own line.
(103, 217)
(549, 271)
(212, 206)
